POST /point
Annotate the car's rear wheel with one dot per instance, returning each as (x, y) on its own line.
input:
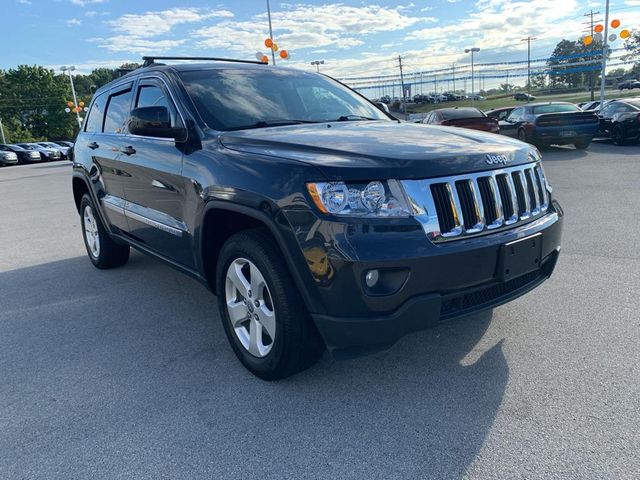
(582, 144)
(102, 250)
(263, 315)
(522, 136)
(617, 135)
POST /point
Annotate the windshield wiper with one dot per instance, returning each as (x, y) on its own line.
(351, 118)
(272, 123)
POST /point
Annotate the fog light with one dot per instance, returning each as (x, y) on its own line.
(371, 278)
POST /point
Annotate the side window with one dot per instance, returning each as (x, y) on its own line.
(609, 110)
(117, 112)
(96, 115)
(516, 115)
(504, 114)
(153, 96)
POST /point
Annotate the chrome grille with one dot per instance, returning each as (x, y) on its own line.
(461, 206)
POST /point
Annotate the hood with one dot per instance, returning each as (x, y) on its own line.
(380, 150)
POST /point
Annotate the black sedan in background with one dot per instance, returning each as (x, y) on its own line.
(24, 155)
(7, 156)
(552, 123)
(54, 146)
(620, 120)
(48, 154)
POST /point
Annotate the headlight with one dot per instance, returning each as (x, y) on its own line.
(373, 199)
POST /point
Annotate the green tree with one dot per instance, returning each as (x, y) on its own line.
(563, 68)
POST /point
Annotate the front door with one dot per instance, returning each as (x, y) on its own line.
(154, 188)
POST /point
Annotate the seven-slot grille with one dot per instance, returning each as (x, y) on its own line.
(464, 205)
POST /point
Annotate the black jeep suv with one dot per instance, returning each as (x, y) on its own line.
(318, 220)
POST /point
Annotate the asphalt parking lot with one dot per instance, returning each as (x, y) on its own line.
(127, 374)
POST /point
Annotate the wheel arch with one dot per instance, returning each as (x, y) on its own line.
(221, 220)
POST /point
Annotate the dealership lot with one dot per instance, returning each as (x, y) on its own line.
(127, 373)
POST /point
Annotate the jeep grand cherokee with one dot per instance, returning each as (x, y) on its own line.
(318, 220)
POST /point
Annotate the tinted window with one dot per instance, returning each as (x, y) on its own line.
(154, 96)
(117, 112)
(456, 113)
(5, 149)
(94, 120)
(555, 108)
(609, 110)
(240, 98)
(516, 115)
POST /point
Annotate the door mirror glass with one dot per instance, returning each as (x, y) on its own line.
(154, 122)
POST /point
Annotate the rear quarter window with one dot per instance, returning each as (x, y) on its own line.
(96, 114)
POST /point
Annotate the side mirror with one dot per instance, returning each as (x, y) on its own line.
(383, 106)
(154, 122)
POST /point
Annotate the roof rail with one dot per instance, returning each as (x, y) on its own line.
(150, 60)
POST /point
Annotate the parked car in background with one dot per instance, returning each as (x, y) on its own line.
(66, 143)
(499, 113)
(7, 156)
(589, 106)
(553, 123)
(475, 96)
(465, 117)
(48, 154)
(64, 151)
(629, 84)
(524, 97)
(620, 120)
(25, 155)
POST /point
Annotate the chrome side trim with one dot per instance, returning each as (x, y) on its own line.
(152, 223)
(529, 177)
(126, 208)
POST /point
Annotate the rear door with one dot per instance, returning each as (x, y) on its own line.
(154, 188)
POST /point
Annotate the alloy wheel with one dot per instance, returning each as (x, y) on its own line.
(91, 233)
(250, 307)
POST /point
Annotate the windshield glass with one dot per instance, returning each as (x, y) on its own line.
(456, 113)
(26, 147)
(555, 108)
(232, 99)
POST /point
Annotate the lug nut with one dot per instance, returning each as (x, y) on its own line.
(255, 316)
(249, 293)
(257, 303)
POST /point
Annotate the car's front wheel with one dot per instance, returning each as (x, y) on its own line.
(617, 135)
(582, 144)
(263, 315)
(102, 250)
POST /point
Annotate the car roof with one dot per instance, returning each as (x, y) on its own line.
(189, 67)
(454, 109)
(541, 104)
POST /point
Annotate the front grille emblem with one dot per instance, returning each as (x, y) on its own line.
(497, 159)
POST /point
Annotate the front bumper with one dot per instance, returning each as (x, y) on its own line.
(439, 283)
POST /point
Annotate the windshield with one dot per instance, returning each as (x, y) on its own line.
(456, 113)
(555, 108)
(26, 147)
(233, 99)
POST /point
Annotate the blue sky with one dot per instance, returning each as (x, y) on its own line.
(353, 37)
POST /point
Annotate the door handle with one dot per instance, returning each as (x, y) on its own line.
(128, 150)
(93, 145)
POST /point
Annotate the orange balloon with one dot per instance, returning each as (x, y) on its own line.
(69, 104)
(268, 43)
(625, 34)
(615, 23)
(81, 104)
(284, 54)
(274, 47)
(264, 59)
(588, 40)
(598, 29)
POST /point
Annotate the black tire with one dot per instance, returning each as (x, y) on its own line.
(582, 144)
(617, 136)
(522, 136)
(297, 344)
(109, 253)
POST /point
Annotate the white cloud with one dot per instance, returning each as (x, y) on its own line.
(74, 22)
(303, 26)
(151, 24)
(84, 3)
(25, 2)
(135, 45)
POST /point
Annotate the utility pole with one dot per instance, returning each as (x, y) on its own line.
(591, 23)
(605, 49)
(2, 131)
(404, 103)
(453, 75)
(273, 53)
(317, 63)
(528, 40)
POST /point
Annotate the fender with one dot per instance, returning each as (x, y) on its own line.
(92, 194)
(277, 225)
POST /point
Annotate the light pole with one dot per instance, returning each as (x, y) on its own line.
(472, 51)
(2, 132)
(317, 63)
(273, 53)
(73, 90)
(605, 48)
